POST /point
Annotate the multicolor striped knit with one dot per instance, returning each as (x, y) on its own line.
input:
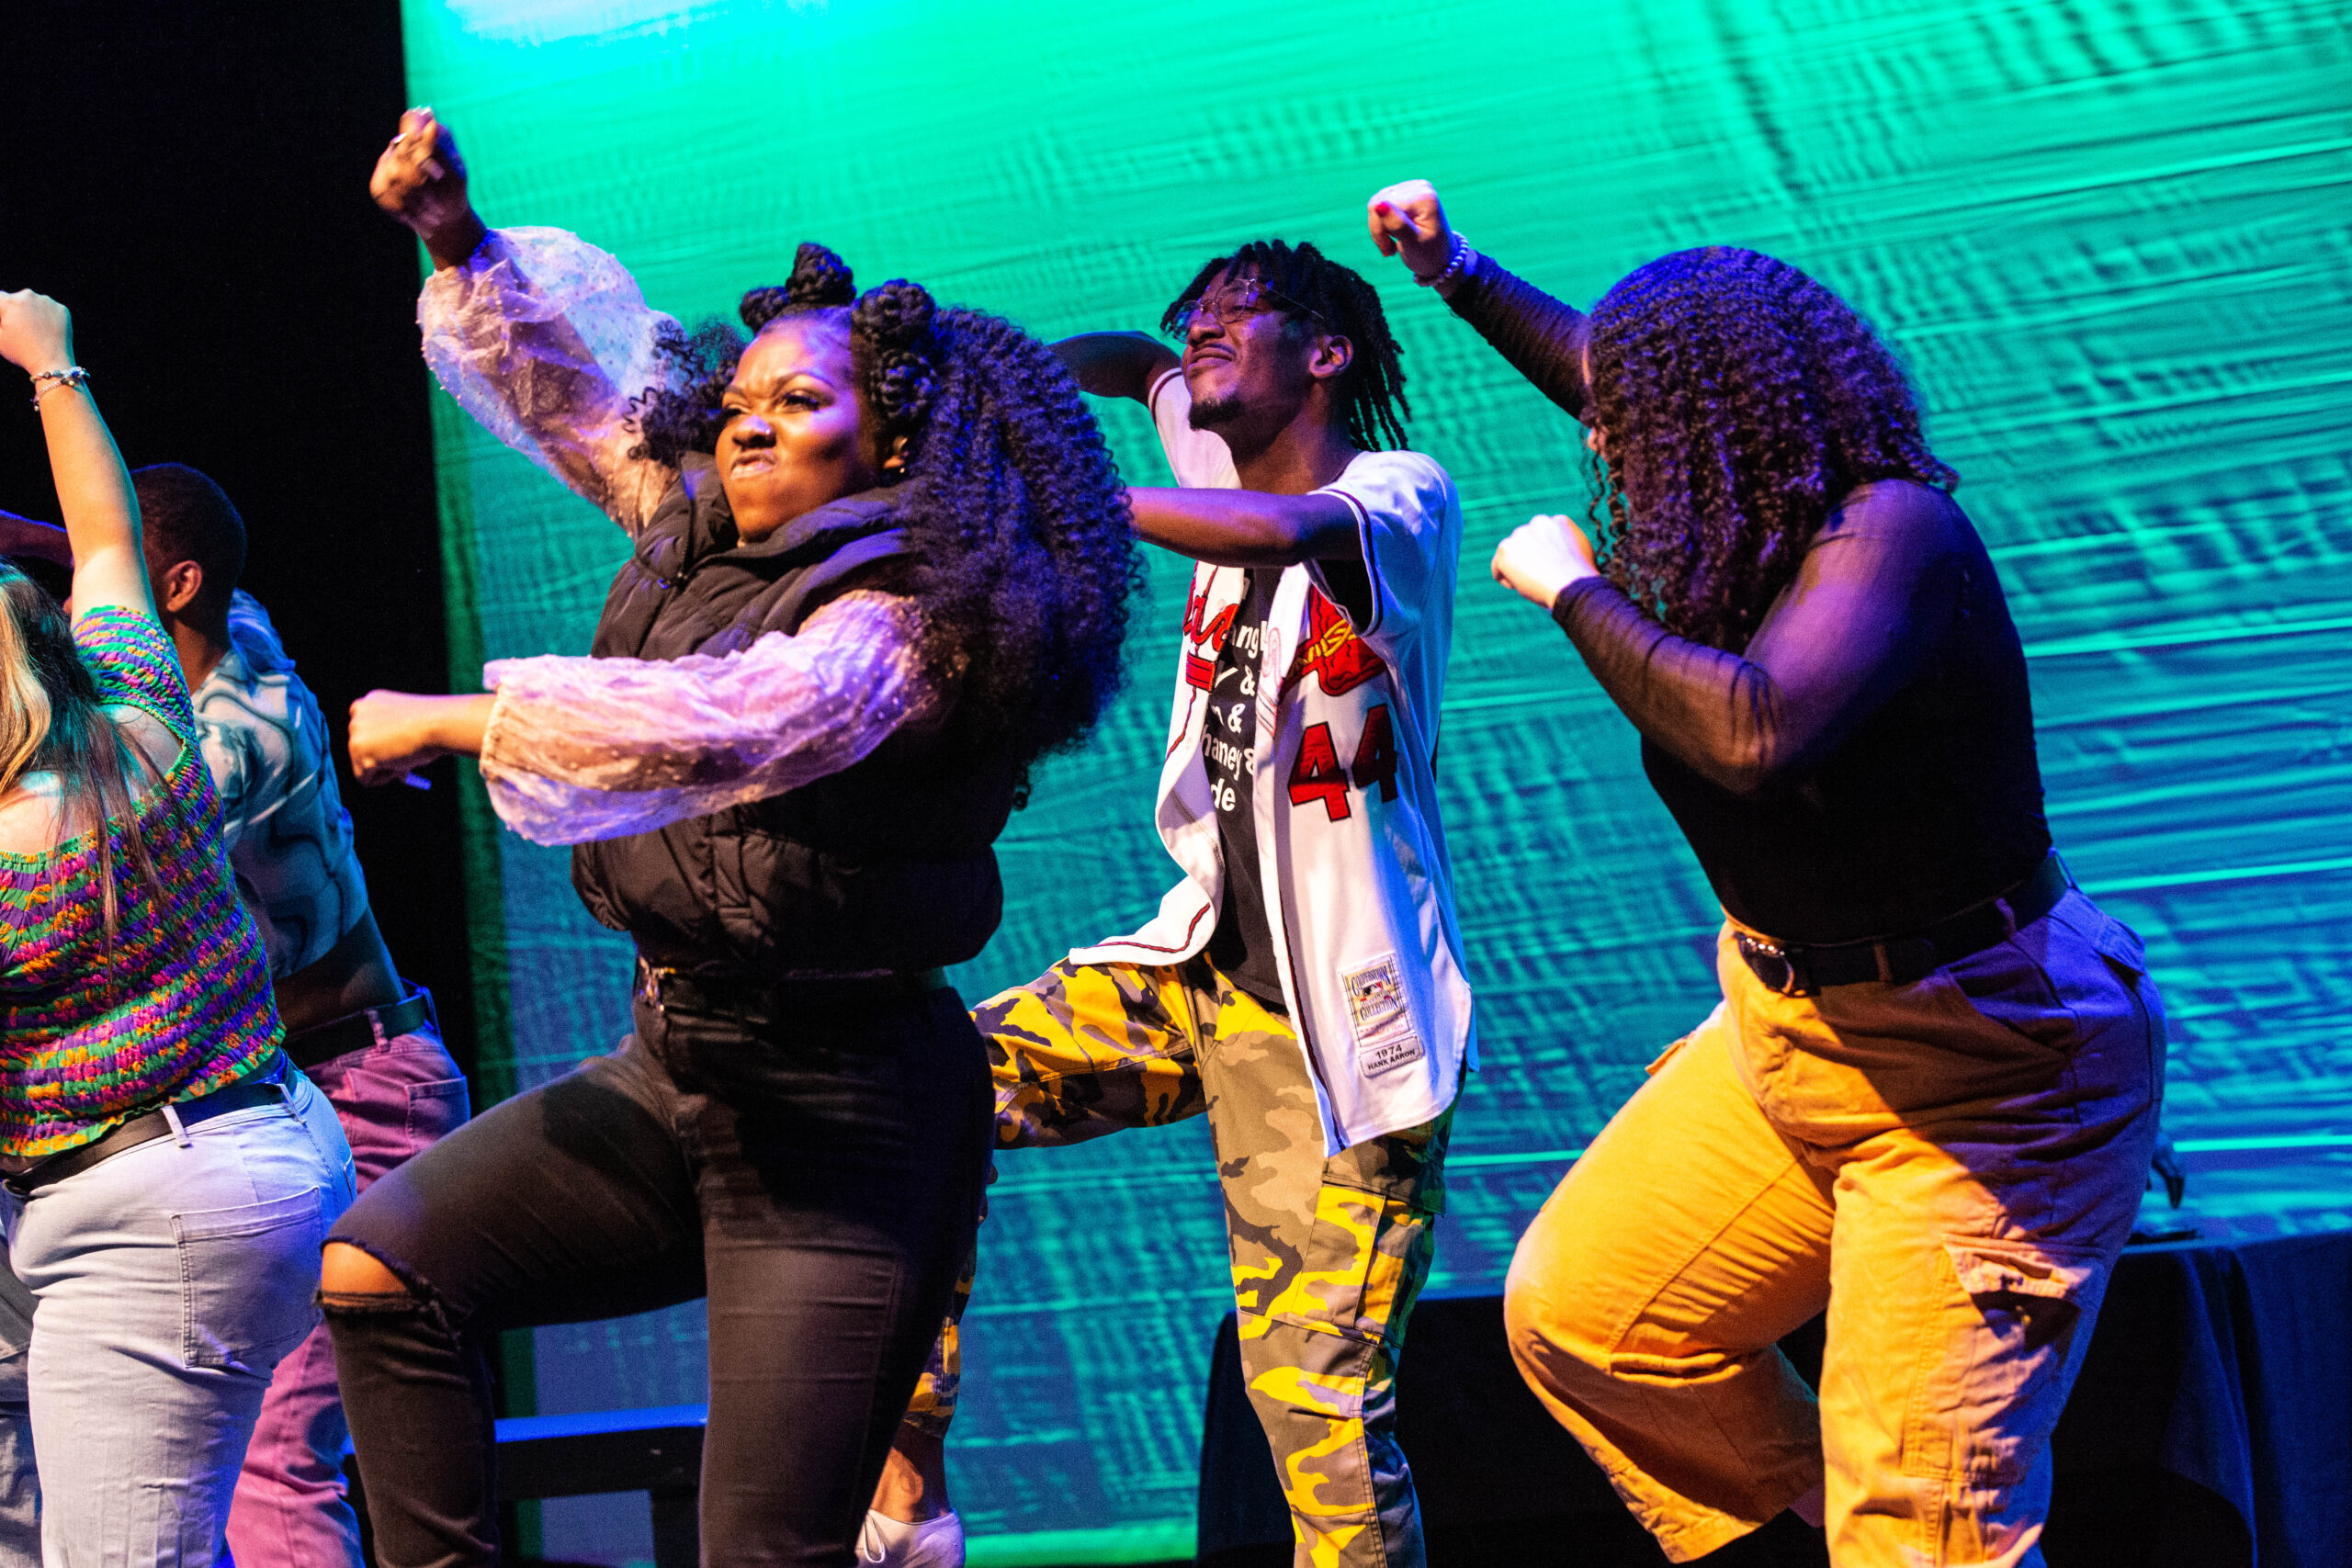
(181, 1005)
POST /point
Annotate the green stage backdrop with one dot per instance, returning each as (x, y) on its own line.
(2109, 235)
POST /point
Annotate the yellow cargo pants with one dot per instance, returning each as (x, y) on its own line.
(1949, 1166)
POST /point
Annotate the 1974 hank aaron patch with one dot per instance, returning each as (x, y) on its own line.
(1378, 1014)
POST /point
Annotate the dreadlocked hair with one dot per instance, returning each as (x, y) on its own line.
(1007, 494)
(1371, 388)
(1737, 400)
(50, 723)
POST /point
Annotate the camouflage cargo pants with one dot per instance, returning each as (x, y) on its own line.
(1327, 1254)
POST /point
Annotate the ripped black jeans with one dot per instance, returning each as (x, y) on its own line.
(812, 1163)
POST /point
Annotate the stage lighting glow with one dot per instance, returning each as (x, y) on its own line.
(2097, 234)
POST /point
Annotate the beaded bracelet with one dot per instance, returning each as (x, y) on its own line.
(1458, 263)
(48, 381)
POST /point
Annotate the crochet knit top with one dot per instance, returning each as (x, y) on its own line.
(181, 1005)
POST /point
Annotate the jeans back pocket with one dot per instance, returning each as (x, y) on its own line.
(436, 1109)
(249, 1277)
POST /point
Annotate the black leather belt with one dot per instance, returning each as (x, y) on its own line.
(660, 987)
(358, 1030)
(265, 1086)
(1795, 970)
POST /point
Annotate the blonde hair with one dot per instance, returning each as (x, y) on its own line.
(51, 721)
(25, 707)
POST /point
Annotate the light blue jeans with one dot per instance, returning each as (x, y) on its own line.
(170, 1279)
(19, 1482)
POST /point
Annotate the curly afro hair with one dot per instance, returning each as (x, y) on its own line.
(1737, 400)
(1009, 494)
(1371, 388)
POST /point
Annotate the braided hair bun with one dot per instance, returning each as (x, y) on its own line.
(890, 332)
(819, 281)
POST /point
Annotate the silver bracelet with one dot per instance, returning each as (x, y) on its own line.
(48, 381)
(1459, 259)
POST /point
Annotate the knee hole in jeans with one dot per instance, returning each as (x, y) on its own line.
(351, 1278)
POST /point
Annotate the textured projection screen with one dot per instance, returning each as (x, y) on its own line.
(2110, 237)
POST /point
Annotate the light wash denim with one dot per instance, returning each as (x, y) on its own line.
(170, 1281)
(19, 1481)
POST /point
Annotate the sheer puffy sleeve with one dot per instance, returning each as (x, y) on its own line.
(584, 748)
(544, 339)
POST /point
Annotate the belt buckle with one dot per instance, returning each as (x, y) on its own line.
(1780, 970)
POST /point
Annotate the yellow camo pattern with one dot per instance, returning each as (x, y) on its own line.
(1326, 1255)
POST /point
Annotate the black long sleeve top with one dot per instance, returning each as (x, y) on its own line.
(1866, 765)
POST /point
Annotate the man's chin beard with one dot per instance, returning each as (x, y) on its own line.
(1209, 414)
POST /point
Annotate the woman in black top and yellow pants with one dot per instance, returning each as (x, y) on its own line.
(1928, 1098)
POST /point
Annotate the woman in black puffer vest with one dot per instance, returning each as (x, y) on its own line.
(880, 566)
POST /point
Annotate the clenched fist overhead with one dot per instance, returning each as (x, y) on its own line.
(1408, 220)
(35, 332)
(421, 180)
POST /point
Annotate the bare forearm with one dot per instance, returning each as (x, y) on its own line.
(449, 244)
(1244, 527)
(458, 728)
(1115, 365)
(394, 732)
(93, 491)
(30, 537)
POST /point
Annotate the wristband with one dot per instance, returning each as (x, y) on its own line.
(48, 381)
(1459, 259)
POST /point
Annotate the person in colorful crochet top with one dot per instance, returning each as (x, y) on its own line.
(170, 1175)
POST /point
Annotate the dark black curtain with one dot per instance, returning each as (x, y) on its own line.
(191, 179)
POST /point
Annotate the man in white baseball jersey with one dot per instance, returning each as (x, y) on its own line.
(1302, 985)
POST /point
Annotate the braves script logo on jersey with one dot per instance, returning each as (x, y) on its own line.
(1210, 631)
(1332, 652)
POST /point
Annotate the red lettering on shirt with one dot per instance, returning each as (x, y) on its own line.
(1332, 652)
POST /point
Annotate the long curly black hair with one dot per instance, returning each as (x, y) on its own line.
(1009, 493)
(1371, 388)
(1737, 400)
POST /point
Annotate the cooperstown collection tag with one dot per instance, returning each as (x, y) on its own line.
(1379, 1018)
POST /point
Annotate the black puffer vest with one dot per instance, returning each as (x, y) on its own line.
(886, 865)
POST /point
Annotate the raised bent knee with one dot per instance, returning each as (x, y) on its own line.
(347, 1271)
(1554, 1351)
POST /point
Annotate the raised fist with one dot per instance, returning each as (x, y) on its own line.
(35, 332)
(1539, 559)
(421, 180)
(1408, 220)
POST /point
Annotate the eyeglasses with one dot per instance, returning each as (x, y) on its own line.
(1229, 301)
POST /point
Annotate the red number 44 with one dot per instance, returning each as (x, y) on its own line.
(1317, 775)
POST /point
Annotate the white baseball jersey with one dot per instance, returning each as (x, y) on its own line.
(1359, 891)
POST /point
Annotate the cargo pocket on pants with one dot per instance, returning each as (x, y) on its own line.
(248, 1277)
(1362, 1268)
(1986, 1404)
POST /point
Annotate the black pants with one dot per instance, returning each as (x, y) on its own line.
(814, 1167)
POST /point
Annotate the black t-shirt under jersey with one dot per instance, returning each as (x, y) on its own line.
(1242, 947)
